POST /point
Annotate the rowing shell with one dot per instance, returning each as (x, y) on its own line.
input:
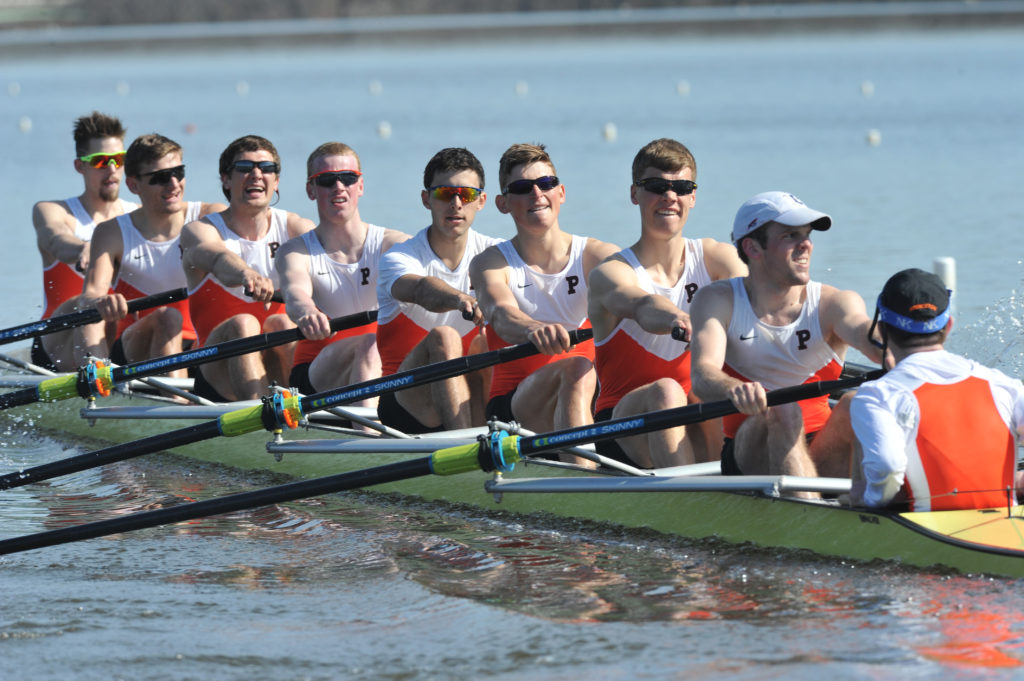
(686, 501)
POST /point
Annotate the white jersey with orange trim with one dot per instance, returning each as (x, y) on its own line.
(936, 423)
(401, 325)
(630, 357)
(341, 289)
(149, 267)
(212, 302)
(780, 356)
(60, 280)
(559, 298)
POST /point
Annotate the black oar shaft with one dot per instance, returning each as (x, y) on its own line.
(320, 401)
(236, 502)
(122, 452)
(232, 348)
(427, 374)
(670, 418)
(83, 317)
(18, 398)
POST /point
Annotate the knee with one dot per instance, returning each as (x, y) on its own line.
(666, 393)
(240, 325)
(444, 340)
(785, 418)
(276, 322)
(577, 373)
(168, 320)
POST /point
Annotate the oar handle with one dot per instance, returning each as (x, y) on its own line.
(157, 299)
(277, 296)
(83, 317)
(680, 334)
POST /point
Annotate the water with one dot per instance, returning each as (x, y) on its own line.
(369, 588)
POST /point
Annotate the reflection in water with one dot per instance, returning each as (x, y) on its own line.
(791, 608)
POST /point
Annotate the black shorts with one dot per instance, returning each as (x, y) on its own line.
(299, 379)
(729, 466)
(394, 415)
(39, 357)
(117, 355)
(611, 448)
(500, 408)
(203, 388)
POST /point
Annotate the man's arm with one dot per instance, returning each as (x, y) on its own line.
(106, 251)
(391, 238)
(880, 460)
(298, 225)
(207, 208)
(722, 260)
(203, 251)
(845, 314)
(292, 263)
(55, 234)
(614, 294)
(489, 274)
(710, 314)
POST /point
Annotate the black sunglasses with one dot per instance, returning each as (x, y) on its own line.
(266, 167)
(545, 183)
(659, 185)
(329, 178)
(164, 176)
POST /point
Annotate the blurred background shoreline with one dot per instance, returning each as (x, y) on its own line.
(76, 25)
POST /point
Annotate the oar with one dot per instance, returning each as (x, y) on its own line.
(98, 379)
(83, 317)
(525, 446)
(275, 412)
(445, 462)
(487, 454)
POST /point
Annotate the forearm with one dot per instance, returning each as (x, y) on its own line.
(434, 295)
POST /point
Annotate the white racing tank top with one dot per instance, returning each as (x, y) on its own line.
(559, 298)
(777, 356)
(345, 288)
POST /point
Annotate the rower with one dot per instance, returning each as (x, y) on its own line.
(229, 264)
(137, 254)
(533, 288)
(331, 272)
(938, 431)
(774, 328)
(428, 313)
(640, 298)
(64, 228)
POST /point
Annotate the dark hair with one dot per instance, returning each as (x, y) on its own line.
(665, 154)
(521, 155)
(760, 235)
(240, 145)
(450, 160)
(148, 149)
(95, 126)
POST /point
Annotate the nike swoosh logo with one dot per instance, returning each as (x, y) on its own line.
(750, 337)
(523, 285)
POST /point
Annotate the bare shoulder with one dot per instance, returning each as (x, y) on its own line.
(488, 259)
(840, 299)
(207, 208)
(393, 237)
(613, 272)
(598, 250)
(294, 246)
(298, 225)
(51, 214)
(722, 260)
(713, 299)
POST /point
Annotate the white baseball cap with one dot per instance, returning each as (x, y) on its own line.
(780, 207)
